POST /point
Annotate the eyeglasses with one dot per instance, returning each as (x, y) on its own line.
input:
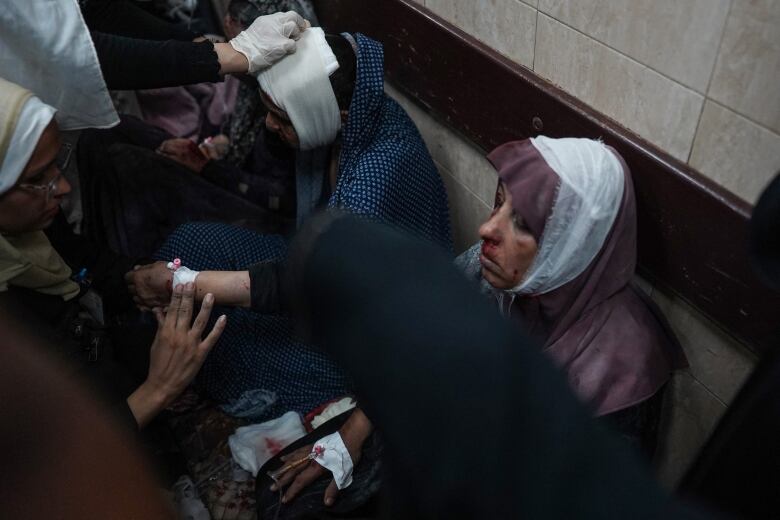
(62, 161)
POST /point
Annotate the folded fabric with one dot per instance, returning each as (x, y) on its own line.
(252, 446)
(332, 410)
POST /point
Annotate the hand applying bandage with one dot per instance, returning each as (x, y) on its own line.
(269, 39)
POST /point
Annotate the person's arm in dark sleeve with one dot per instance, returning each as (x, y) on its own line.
(265, 287)
(130, 63)
(105, 268)
(124, 18)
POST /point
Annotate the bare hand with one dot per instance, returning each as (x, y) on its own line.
(184, 152)
(178, 350)
(354, 433)
(150, 285)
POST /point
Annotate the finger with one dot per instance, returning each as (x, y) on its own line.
(184, 318)
(330, 493)
(299, 23)
(203, 316)
(211, 340)
(288, 477)
(306, 477)
(289, 46)
(290, 29)
(173, 309)
(297, 454)
(160, 315)
(129, 276)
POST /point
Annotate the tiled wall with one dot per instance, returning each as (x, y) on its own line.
(699, 78)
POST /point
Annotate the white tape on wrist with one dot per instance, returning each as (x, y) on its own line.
(181, 274)
(331, 453)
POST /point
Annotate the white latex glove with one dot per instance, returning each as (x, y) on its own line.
(269, 39)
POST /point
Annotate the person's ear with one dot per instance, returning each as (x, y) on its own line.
(344, 116)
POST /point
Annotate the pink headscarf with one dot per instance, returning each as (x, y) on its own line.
(609, 338)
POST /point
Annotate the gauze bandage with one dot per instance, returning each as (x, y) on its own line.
(585, 208)
(181, 274)
(299, 86)
(331, 453)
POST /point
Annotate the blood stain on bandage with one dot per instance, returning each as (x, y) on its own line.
(273, 446)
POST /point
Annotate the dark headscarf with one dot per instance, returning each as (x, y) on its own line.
(608, 338)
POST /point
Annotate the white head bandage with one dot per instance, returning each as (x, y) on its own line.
(299, 85)
(32, 120)
(588, 200)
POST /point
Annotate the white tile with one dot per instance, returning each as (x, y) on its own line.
(735, 152)
(678, 38)
(690, 415)
(657, 108)
(505, 25)
(747, 73)
(716, 360)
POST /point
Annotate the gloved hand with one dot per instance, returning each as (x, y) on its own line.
(269, 39)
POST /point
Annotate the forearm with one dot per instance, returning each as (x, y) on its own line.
(230, 60)
(230, 288)
(146, 403)
(356, 429)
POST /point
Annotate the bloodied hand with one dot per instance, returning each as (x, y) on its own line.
(150, 285)
(354, 433)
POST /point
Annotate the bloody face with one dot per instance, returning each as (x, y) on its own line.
(508, 247)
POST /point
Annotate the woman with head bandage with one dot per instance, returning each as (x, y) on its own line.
(559, 252)
(299, 88)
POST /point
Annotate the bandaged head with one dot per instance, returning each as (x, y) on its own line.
(299, 86)
(573, 226)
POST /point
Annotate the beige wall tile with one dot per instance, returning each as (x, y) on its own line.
(678, 38)
(735, 152)
(505, 25)
(691, 413)
(467, 212)
(657, 108)
(747, 73)
(717, 361)
(458, 156)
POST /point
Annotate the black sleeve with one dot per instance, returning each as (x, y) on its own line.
(265, 287)
(124, 18)
(105, 268)
(130, 63)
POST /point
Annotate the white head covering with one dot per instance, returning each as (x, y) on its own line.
(45, 47)
(299, 85)
(585, 207)
(31, 122)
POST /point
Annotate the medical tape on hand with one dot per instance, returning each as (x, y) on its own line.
(181, 274)
(331, 453)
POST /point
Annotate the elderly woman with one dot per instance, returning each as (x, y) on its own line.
(558, 252)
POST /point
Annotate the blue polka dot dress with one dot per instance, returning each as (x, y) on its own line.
(385, 173)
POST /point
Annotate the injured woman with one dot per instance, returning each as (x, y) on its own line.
(558, 252)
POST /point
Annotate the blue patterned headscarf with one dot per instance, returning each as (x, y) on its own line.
(385, 170)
